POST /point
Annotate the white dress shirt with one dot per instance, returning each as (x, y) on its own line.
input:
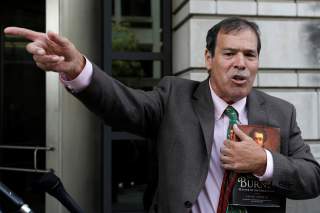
(81, 81)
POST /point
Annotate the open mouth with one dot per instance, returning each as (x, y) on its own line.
(239, 79)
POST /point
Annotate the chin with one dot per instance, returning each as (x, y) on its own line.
(238, 95)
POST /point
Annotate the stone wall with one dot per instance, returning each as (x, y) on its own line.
(289, 59)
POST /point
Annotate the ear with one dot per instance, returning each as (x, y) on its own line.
(208, 59)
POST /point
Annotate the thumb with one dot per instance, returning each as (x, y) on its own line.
(240, 133)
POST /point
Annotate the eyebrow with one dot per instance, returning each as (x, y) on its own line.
(237, 50)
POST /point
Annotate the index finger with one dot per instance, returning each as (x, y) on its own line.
(23, 32)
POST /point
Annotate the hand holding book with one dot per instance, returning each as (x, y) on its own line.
(248, 141)
(242, 154)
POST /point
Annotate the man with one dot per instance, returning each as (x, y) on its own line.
(187, 122)
(259, 136)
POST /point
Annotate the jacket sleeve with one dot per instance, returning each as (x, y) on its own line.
(132, 110)
(297, 175)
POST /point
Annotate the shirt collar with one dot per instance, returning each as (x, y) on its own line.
(220, 105)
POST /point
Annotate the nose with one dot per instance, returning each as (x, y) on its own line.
(239, 62)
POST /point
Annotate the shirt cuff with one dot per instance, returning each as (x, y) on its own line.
(267, 176)
(81, 81)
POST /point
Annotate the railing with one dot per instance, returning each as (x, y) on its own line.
(35, 158)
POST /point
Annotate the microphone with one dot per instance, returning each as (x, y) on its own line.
(51, 184)
(14, 199)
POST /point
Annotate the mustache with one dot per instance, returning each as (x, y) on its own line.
(240, 73)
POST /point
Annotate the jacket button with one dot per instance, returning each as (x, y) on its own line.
(188, 204)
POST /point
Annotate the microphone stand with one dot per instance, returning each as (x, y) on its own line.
(14, 199)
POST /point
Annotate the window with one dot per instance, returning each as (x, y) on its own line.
(22, 105)
(137, 51)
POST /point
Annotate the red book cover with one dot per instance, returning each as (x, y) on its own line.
(248, 190)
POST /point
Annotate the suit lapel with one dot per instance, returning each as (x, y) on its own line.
(257, 113)
(203, 105)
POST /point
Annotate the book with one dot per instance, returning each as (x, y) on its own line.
(248, 190)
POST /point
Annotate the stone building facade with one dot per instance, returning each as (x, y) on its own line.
(289, 59)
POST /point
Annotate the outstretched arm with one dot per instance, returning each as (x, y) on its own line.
(132, 110)
(51, 51)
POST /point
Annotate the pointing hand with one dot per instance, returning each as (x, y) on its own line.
(51, 52)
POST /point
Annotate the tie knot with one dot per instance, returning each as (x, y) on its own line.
(232, 114)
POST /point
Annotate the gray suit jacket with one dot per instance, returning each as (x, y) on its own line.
(178, 116)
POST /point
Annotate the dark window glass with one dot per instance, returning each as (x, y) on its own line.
(22, 104)
(23, 97)
(129, 175)
(136, 26)
(139, 58)
(136, 7)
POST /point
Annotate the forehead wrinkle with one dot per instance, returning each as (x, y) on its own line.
(250, 37)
